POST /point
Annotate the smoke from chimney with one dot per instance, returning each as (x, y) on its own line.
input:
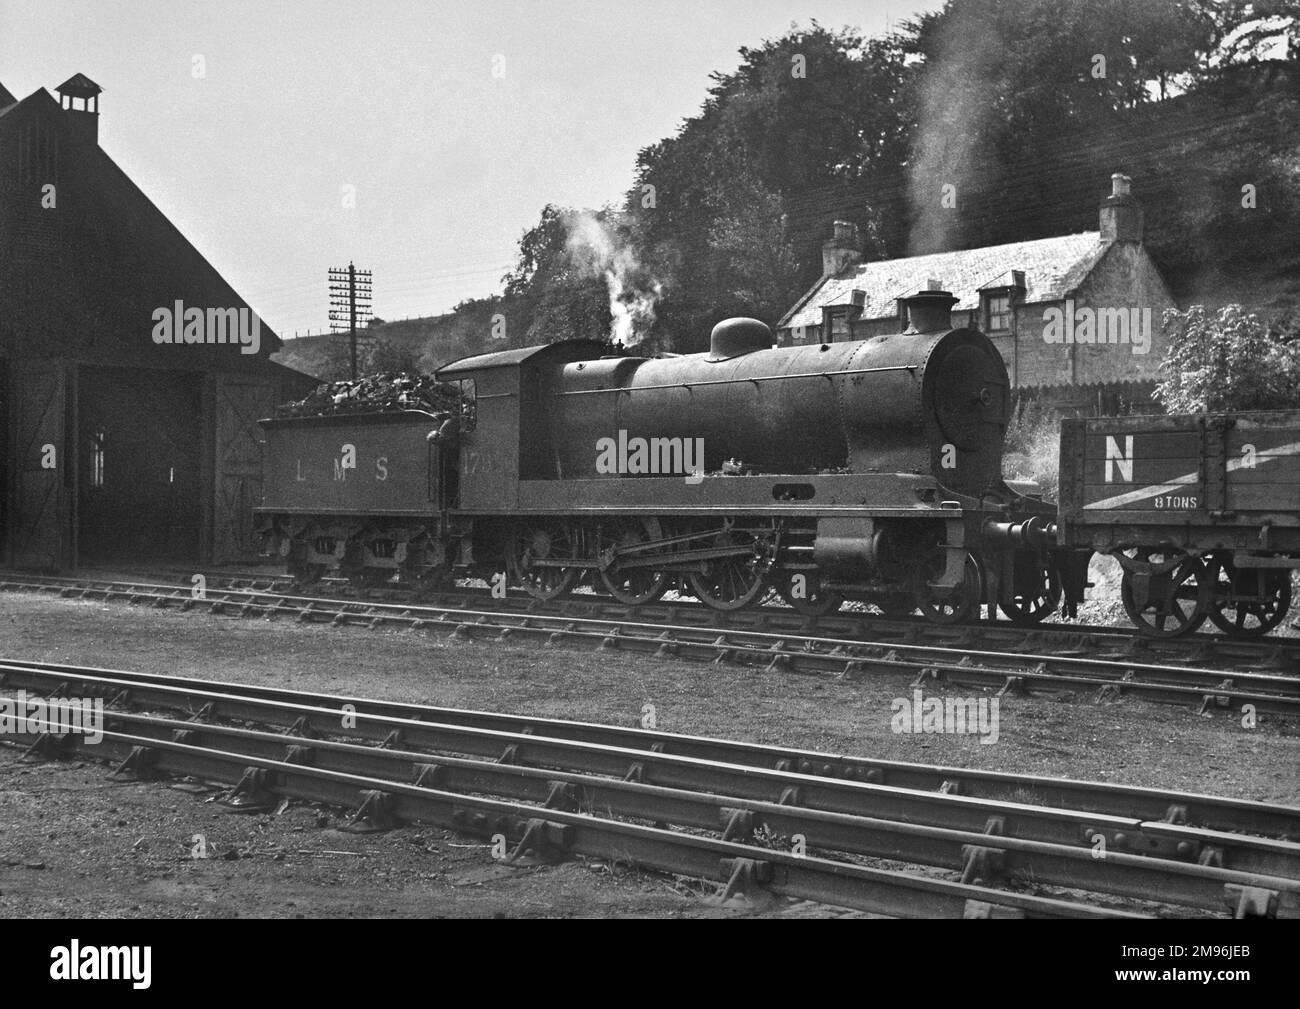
(954, 114)
(633, 297)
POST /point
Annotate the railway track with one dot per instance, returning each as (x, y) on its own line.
(1276, 653)
(752, 818)
(786, 641)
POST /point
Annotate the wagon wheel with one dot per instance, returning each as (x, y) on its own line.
(811, 601)
(1170, 602)
(633, 586)
(1040, 601)
(730, 583)
(541, 541)
(946, 606)
(1264, 596)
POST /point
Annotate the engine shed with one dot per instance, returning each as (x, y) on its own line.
(132, 375)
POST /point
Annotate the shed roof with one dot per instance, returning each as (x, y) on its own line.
(79, 85)
(1053, 267)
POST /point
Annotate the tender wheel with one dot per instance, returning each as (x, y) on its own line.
(299, 570)
(308, 574)
(946, 606)
(1171, 602)
(1039, 595)
(807, 596)
(431, 581)
(1247, 602)
(730, 583)
(369, 578)
(529, 544)
(633, 586)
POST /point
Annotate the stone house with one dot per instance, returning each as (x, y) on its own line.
(1074, 316)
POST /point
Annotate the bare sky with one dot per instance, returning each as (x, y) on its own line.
(398, 99)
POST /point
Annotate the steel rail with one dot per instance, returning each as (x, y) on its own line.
(1205, 688)
(988, 856)
(1194, 809)
(561, 832)
(779, 784)
(1278, 654)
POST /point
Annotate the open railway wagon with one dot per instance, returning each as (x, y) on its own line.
(866, 470)
(1201, 510)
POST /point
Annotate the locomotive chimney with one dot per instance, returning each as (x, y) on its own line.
(1121, 214)
(929, 311)
(842, 249)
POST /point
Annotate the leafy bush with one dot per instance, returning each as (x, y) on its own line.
(1228, 361)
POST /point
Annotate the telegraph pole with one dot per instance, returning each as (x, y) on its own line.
(350, 291)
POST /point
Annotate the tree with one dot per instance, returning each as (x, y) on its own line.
(1228, 361)
(375, 356)
(710, 208)
(561, 278)
(758, 273)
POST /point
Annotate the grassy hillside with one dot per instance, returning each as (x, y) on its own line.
(431, 341)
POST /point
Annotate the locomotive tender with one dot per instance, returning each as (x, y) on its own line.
(868, 469)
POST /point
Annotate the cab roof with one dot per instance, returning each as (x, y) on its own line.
(569, 350)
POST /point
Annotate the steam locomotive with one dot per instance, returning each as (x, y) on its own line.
(868, 470)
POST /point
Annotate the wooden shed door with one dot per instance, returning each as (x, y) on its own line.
(39, 521)
(240, 405)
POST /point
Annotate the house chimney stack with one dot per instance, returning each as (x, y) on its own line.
(79, 99)
(842, 250)
(1121, 214)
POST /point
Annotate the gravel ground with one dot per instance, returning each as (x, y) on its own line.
(77, 844)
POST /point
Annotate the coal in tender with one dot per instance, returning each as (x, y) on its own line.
(375, 393)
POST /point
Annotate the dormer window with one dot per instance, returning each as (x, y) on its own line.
(997, 311)
(835, 323)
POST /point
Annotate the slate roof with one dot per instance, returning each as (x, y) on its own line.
(1053, 268)
(130, 258)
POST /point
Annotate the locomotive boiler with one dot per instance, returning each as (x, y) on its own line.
(866, 469)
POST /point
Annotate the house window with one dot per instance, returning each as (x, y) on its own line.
(836, 324)
(997, 312)
(97, 458)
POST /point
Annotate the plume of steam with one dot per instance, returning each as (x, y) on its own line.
(954, 113)
(597, 248)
